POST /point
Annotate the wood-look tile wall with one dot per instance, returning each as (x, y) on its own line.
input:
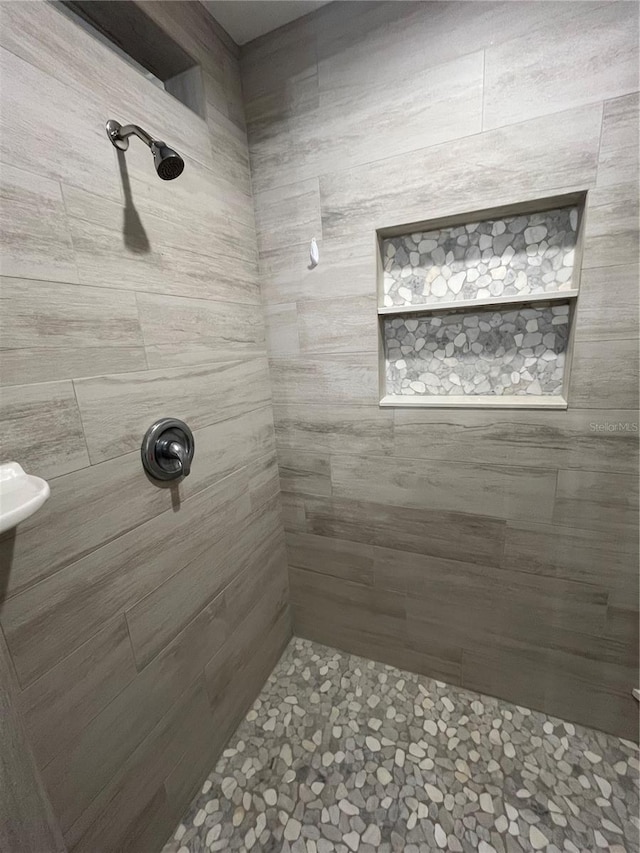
(493, 549)
(140, 621)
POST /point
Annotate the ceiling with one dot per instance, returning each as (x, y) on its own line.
(245, 20)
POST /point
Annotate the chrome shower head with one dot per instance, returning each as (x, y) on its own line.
(169, 164)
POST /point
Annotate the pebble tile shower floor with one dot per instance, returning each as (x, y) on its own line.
(339, 753)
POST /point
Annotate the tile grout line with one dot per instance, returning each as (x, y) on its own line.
(484, 86)
(84, 434)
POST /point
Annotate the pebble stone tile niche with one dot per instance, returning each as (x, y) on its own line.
(477, 310)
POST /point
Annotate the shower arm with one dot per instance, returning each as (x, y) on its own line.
(169, 164)
(130, 129)
(119, 135)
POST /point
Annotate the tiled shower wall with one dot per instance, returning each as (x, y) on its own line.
(493, 550)
(140, 620)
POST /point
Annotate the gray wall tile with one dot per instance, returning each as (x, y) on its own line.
(34, 245)
(546, 58)
(42, 430)
(347, 96)
(117, 410)
(618, 160)
(53, 331)
(110, 272)
(473, 175)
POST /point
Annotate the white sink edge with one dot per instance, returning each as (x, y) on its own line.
(21, 495)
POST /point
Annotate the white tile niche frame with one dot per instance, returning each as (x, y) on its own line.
(477, 309)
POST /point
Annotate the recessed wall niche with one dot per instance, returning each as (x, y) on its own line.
(477, 309)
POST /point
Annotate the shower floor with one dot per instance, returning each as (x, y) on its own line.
(339, 753)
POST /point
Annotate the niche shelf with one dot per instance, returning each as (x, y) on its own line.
(477, 309)
(475, 303)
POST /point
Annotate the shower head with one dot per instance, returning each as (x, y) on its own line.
(169, 164)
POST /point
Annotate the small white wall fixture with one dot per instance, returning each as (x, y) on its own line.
(21, 495)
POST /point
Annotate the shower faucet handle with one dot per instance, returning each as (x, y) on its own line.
(167, 449)
(176, 450)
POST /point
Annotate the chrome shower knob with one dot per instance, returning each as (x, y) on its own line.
(167, 449)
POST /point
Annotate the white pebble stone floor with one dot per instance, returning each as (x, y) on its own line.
(366, 758)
